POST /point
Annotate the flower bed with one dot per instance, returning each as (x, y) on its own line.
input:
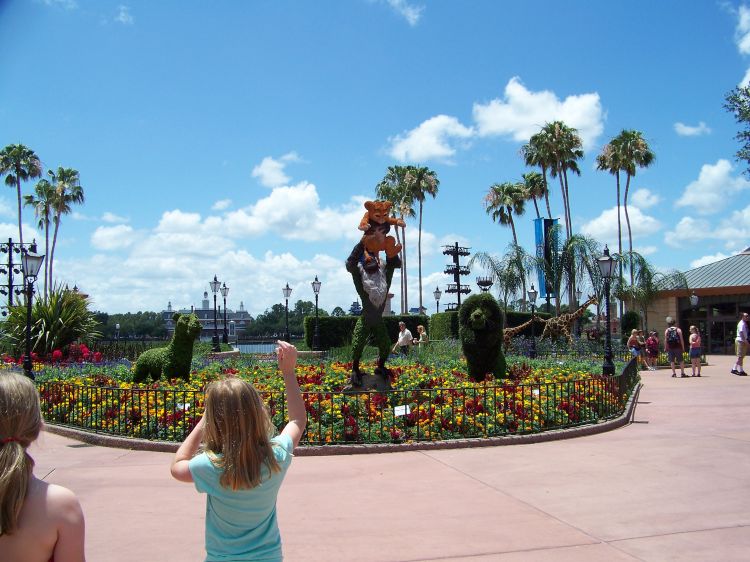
(428, 401)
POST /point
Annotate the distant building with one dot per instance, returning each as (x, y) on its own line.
(237, 320)
(722, 289)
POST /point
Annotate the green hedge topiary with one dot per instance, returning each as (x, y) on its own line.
(336, 331)
(444, 326)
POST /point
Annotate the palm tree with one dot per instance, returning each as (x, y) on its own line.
(505, 278)
(19, 163)
(535, 153)
(394, 188)
(68, 191)
(422, 182)
(535, 187)
(633, 153)
(42, 203)
(563, 145)
(502, 201)
(609, 160)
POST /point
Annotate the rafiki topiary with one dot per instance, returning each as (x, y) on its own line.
(174, 360)
(480, 328)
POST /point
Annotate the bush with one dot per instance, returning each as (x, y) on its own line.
(336, 331)
(631, 320)
(444, 326)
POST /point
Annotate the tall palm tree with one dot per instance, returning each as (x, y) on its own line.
(42, 201)
(503, 272)
(394, 188)
(633, 153)
(68, 191)
(19, 163)
(535, 153)
(422, 182)
(609, 160)
(535, 187)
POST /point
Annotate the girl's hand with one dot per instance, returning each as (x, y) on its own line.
(287, 357)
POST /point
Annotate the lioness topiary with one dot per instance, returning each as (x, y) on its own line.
(174, 360)
(480, 328)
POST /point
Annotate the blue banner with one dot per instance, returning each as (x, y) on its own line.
(542, 238)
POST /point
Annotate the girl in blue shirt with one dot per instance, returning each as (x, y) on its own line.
(240, 465)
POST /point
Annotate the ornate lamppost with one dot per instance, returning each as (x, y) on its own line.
(606, 268)
(316, 334)
(224, 293)
(437, 294)
(287, 291)
(484, 283)
(30, 263)
(532, 294)
(215, 284)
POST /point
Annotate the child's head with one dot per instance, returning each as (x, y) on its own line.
(237, 432)
(20, 423)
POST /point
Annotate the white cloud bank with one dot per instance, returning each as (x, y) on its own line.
(270, 172)
(518, 115)
(713, 189)
(604, 227)
(705, 260)
(691, 131)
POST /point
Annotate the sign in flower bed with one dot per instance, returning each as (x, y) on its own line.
(428, 401)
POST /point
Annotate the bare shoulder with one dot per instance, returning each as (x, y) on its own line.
(63, 503)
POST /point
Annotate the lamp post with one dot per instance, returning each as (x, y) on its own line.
(224, 293)
(287, 291)
(215, 284)
(437, 294)
(485, 283)
(606, 268)
(532, 299)
(30, 263)
(316, 334)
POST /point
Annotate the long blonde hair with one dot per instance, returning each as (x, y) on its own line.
(20, 423)
(238, 431)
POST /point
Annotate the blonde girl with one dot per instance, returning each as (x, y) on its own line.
(38, 521)
(241, 465)
(695, 350)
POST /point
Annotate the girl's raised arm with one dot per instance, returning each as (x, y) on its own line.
(287, 354)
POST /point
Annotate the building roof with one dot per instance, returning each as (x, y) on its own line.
(733, 271)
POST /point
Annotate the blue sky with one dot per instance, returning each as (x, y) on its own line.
(241, 138)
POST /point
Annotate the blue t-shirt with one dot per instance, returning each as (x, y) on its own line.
(241, 524)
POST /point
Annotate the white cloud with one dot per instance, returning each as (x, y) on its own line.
(6, 209)
(735, 229)
(522, 113)
(742, 32)
(745, 79)
(687, 231)
(124, 16)
(65, 4)
(112, 237)
(604, 227)
(221, 205)
(270, 172)
(113, 218)
(646, 250)
(691, 131)
(410, 12)
(432, 140)
(713, 189)
(643, 199)
(704, 260)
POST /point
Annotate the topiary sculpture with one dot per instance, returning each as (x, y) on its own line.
(174, 360)
(480, 328)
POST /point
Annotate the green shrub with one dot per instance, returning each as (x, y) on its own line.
(336, 331)
(444, 326)
(56, 321)
(631, 320)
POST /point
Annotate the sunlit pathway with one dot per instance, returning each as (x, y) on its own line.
(673, 485)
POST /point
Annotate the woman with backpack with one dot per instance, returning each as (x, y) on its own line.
(674, 346)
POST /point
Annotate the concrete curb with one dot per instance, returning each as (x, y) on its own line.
(104, 440)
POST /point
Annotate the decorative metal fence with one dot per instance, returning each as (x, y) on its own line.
(421, 414)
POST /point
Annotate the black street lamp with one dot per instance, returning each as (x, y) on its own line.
(532, 299)
(287, 291)
(316, 334)
(485, 283)
(437, 294)
(606, 268)
(224, 293)
(31, 263)
(215, 284)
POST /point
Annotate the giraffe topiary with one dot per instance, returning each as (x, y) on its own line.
(509, 333)
(563, 324)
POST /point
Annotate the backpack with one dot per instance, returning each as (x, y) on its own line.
(673, 337)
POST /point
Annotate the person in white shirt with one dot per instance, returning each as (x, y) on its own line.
(404, 339)
(741, 344)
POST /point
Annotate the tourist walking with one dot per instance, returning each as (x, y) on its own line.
(405, 339)
(241, 466)
(422, 339)
(674, 345)
(741, 343)
(652, 350)
(634, 345)
(695, 350)
(38, 520)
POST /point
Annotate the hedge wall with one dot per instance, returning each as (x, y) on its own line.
(445, 324)
(336, 331)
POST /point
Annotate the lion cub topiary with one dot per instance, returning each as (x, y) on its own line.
(480, 327)
(376, 223)
(174, 360)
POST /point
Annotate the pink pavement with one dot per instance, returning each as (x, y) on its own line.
(673, 485)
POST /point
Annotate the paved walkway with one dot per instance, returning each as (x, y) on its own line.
(673, 485)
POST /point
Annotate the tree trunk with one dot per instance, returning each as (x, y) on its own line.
(546, 191)
(403, 266)
(630, 234)
(18, 190)
(54, 243)
(46, 253)
(536, 207)
(400, 272)
(619, 233)
(419, 256)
